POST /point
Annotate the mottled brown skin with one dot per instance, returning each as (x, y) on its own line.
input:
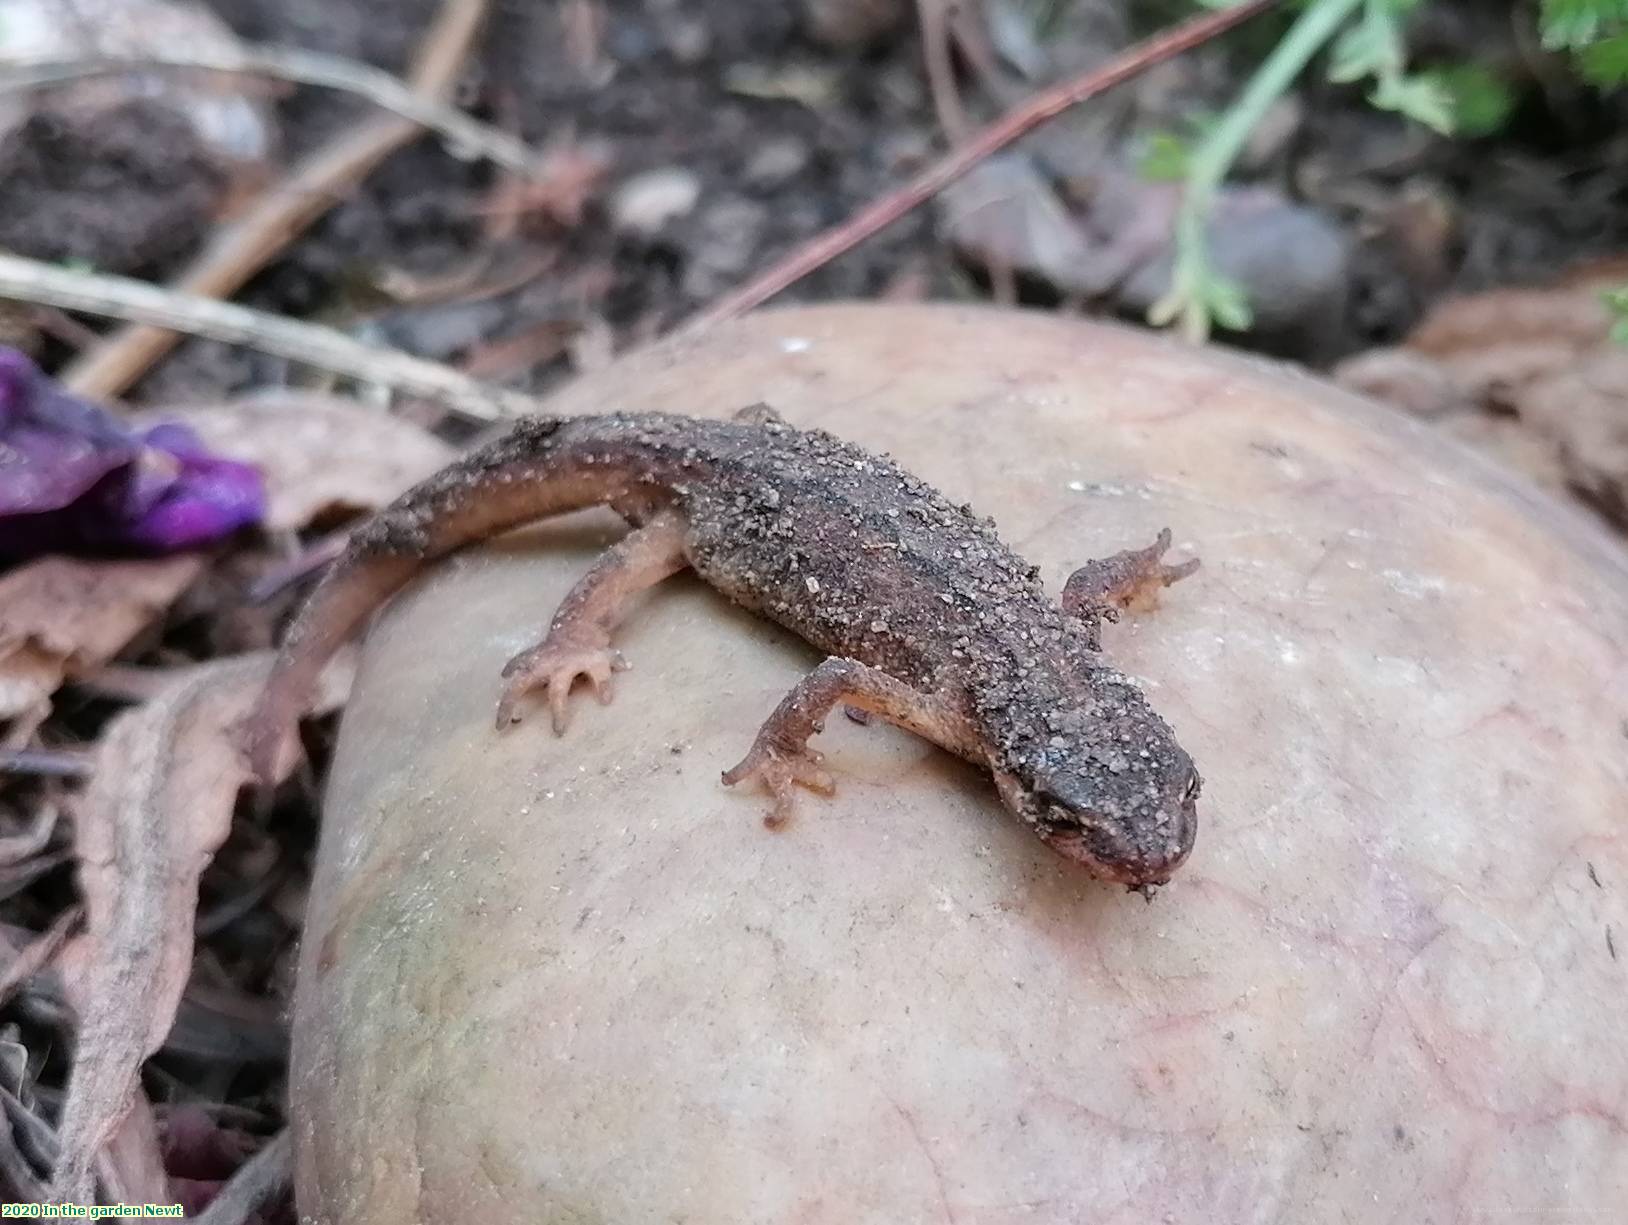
(929, 620)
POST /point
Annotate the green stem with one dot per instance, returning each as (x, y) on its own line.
(1213, 158)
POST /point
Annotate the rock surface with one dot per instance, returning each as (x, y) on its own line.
(575, 980)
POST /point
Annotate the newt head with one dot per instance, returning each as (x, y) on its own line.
(1105, 785)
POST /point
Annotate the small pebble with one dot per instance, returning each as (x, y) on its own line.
(776, 162)
(852, 24)
(646, 202)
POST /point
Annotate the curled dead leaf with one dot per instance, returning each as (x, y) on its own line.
(323, 457)
(1572, 316)
(1584, 410)
(61, 617)
(1529, 376)
(159, 805)
(1004, 213)
(15, 848)
(1411, 381)
(260, 1181)
(23, 1136)
(1512, 443)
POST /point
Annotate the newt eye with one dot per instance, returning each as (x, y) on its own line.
(1059, 794)
(1190, 791)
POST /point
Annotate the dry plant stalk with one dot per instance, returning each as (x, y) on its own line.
(463, 134)
(29, 280)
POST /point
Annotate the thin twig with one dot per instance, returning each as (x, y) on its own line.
(287, 209)
(27, 280)
(884, 212)
(38, 952)
(940, 65)
(465, 136)
(280, 577)
(45, 763)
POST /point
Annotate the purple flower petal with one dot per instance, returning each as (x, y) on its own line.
(74, 477)
(181, 496)
(52, 447)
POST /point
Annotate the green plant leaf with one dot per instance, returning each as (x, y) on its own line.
(1199, 298)
(1480, 100)
(1229, 304)
(1577, 23)
(1165, 157)
(1605, 63)
(1371, 47)
(1616, 301)
(1418, 98)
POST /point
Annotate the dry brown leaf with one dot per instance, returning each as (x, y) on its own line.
(14, 848)
(131, 1166)
(1574, 316)
(158, 807)
(1568, 315)
(17, 1174)
(1584, 409)
(61, 617)
(1493, 376)
(1529, 376)
(1005, 213)
(1512, 443)
(260, 1181)
(323, 457)
(518, 352)
(1411, 381)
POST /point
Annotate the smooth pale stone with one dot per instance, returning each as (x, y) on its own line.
(576, 980)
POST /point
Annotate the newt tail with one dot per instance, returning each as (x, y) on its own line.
(512, 481)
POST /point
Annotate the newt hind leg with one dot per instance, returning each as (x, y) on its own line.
(780, 757)
(578, 638)
(1100, 590)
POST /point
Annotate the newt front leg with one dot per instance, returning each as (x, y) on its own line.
(780, 756)
(578, 639)
(1101, 589)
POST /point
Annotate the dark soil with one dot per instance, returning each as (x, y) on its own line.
(129, 193)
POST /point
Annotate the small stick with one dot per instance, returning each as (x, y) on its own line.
(296, 569)
(27, 280)
(38, 952)
(286, 210)
(46, 763)
(940, 65)
(879, 214)
(463, 134)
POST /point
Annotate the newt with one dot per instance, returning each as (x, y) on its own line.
(928, 620)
